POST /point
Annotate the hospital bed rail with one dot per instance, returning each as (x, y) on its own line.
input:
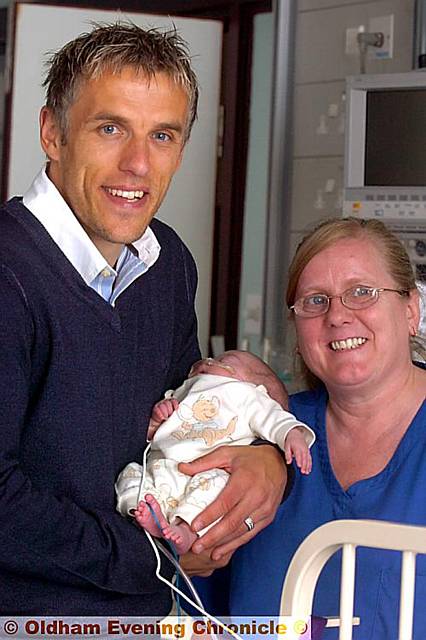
(311, 556)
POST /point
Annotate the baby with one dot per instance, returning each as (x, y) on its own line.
(228, 400)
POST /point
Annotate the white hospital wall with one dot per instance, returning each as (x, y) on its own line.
(321, 67)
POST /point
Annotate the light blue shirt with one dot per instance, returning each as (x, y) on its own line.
(48, 206)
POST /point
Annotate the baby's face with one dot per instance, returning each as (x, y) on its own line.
(220, 366)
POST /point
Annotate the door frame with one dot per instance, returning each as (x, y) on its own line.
(237, 17)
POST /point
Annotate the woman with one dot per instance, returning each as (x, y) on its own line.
(356, 309)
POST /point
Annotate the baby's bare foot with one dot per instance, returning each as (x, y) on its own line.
(145, 518)
(181, 535)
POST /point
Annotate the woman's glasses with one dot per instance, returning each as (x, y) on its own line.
(358, 297)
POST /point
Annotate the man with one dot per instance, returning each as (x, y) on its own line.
(97, 322)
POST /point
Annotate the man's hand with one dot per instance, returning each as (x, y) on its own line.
(201, 564)
(255, 489)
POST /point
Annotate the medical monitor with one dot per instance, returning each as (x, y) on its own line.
(385, 153)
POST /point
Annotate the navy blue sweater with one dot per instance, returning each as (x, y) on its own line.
(78, 379)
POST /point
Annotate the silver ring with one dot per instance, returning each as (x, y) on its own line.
(249, 523)
(209, 362)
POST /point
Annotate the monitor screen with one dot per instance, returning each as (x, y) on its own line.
(395, 138)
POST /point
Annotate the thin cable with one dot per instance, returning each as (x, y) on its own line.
(199, 607)
(141, 485)
(176, 564)
(184, 596)
(142, 480)
(175, 555)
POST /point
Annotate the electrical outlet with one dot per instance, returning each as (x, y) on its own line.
(382, 24)
(351, 46)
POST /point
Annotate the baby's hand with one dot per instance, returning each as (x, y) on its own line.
(295, 447)
(160, 412)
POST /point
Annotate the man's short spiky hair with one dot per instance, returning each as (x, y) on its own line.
(112, 47)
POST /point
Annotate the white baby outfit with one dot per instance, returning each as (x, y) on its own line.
(213, 410)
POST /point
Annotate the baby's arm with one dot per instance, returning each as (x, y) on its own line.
(295, 447)
(160, 412)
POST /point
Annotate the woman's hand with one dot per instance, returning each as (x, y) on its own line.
(255, 489)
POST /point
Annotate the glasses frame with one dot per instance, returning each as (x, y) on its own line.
(376, 294)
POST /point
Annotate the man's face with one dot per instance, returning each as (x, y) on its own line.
(124, 142)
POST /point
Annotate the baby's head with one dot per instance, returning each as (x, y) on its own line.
(244, 366)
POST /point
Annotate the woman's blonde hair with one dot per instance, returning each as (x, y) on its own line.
(330, 231)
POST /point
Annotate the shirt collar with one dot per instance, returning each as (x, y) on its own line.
(48, 206)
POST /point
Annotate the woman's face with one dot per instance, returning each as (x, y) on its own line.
(383, 328)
